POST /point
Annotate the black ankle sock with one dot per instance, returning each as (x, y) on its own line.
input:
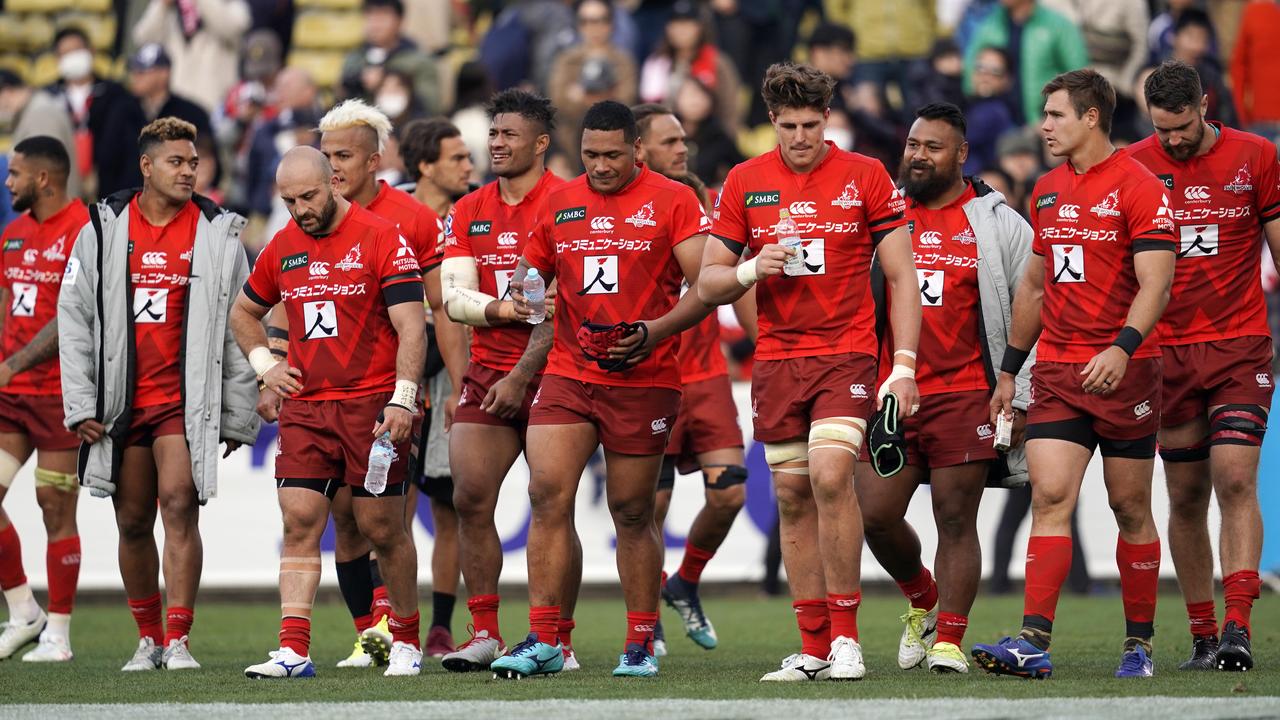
(355, 586)
(442, 610)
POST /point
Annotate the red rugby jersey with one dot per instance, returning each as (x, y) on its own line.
(33, 257)
(336, 290)
(418, 224)
(946, 255)
(483, 227)
(613, 257)
(1220, 201)
(1087, 229)
(159, 271)
(842, 207)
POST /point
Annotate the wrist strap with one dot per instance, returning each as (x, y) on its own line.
(261, 359)
(405, 395)
(1013, 360)
(1128, 340)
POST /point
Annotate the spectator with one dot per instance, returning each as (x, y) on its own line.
(991, 109)
(1040, 42)
(1193, 45)
(1115, 35)
(203, 39)
(385, 48)
(1141, 125)
(894, 35)
(473, 92)
(523, 41)
(295, 96)
(832, 49)
(587, 73)
(940, 79)
(686, 51)
(1255, 65)
(1160, 35)
(273, 17)
(712, 151)
(755, 35)
(396, 98)
(28, 112)
(106, 118)
(149, 77)
(1019, 153)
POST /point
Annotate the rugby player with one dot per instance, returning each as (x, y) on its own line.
(1104, 234)
(618, 240)
(485, 235)
(151, 377)
(1225, 194)
(970, 250)
(813, 382)
(33, 257)
(353, 293)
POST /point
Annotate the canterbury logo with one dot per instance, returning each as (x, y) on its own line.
(803, 207)
(858, 390)
(659, 425)
(931, 238)
(1196, 192)
(1264, 380)
(1142, 409)
(642, 628)
(845, 602)
(1145, 565)
(154, 259)
(1069, 212)
(318, 269)
(604, 222)
(507, 239)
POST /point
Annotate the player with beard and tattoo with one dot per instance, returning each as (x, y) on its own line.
(33, 257)
(358, 346)
(970, 250)
(1224, 188)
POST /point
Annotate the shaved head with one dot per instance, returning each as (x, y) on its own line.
(307, 187)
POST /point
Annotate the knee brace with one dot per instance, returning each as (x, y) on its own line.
(792, 457)
(837, 433)
(1140, 449)
(64, 482)
(1196, 453)
(9, 467)
(1238, 425)
(729, 476)
(667, 475)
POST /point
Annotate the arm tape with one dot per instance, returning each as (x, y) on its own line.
(463, 300)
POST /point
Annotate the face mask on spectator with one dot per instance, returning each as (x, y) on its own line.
(392, 103)
(75, 65)
(842, 137)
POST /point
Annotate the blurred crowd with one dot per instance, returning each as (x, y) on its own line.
(252, 74)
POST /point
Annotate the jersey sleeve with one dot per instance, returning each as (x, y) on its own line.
(540, 251)
(687, 217)
(399, 275)
(1149, 217)
(457, 230)
(1268, 185)
(729, 218)
(885, 206)
(263, 285)
(1033, 215)
(429, 245)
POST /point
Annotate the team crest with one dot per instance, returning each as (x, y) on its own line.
(850, 198)
(1242, 182)
(352, 260)
(1107, 208)
(643, 217)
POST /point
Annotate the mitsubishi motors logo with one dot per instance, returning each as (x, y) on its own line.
(404, 250)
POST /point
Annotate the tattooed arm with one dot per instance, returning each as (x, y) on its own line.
(43, 347)
(507, 395)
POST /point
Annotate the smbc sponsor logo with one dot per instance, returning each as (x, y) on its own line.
(571, 214)
(763, 199)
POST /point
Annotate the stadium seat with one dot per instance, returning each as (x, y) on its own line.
(44, 70)
(100, 28)
(47, 7)
(325, 66)
(19, 64)
(324, 30)
(93, 6)
(35, 33)
(329, 4)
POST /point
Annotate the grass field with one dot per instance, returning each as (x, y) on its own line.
(754, 634)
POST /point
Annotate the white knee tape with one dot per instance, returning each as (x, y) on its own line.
(790, 457)
(837, 433)
(9, 467)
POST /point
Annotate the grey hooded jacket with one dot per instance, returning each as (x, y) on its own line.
(1004, 246)
(96, 343)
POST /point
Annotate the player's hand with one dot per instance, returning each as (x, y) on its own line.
(519, 304)
(771, 258)
(505, 397)
(268, 404)
(232, 446)
(551, 299)
(641, 342)
(6, 374)
(451, 408)
(1002, 398)
(397, 421)
(1105, 371)
(908, 395)
(284, 379)
(90, 431)
(1019, 428)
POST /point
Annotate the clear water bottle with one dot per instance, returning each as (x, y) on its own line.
(535, 294)
(381, 455)
(789, 238)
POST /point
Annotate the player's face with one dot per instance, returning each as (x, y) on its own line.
(1063, 129)
(170, 170)
(22, 182)
(932, 160)
(452, 172)
(311, 202)
(513, 144)
(1182, 132)
(609, 159)
(662, 148)
(353, 153)
(800, 135)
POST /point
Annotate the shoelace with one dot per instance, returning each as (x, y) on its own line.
(524, 648)
(636, 656)
(913, 627)
(1132, 661)
(791, 661)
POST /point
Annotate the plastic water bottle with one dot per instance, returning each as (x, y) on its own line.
(381, 455)
(535, 294)
(789, 238)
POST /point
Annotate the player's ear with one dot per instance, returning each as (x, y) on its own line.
(963, 153)
(541, 144)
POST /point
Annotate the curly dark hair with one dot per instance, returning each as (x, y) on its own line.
(530, 106)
